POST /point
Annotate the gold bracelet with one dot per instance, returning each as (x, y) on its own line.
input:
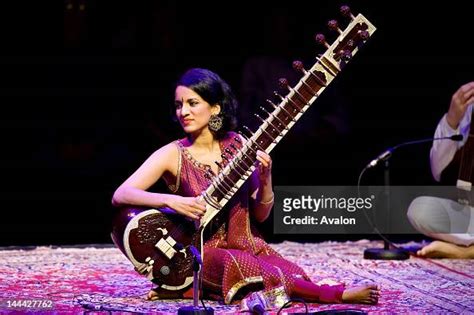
(269, 201)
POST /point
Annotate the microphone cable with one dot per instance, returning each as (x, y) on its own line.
(374, 227)
(294, 300)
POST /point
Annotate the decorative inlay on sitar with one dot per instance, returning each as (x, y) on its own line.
(158, 242)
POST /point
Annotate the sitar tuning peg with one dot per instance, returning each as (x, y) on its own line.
(263, 109)
(350, 43)
(259, 118)
(346, 12)
(278, 95)
(298, 66)
(208, 174)
(321, 39)
(243, 135)
(363, 34)
(345, 55)
(271, 103)
(333, 25)
(283, 83)
(249, 132)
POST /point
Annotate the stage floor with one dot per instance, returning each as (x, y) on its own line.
(75, 279)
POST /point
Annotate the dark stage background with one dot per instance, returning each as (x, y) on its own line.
(87, 90)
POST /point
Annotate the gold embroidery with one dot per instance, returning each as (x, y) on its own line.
(269, 299)
(242, 283)
(191, 158)
(275, 298)
(282, 277)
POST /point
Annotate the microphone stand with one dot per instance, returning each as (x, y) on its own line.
(386, 253)
(195, 309)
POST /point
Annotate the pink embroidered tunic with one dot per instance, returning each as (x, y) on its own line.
(237, 261)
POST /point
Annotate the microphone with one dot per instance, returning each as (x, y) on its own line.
(388, 153)
(456, 138)
(256, 307)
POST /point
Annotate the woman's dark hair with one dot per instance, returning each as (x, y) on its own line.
(213, 90)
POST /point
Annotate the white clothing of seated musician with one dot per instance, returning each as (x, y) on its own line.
(448, 221)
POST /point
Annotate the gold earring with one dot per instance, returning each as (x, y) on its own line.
(215, 122)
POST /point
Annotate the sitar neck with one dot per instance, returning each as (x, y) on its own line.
(289, 109)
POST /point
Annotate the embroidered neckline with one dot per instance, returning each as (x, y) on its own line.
(191, 158)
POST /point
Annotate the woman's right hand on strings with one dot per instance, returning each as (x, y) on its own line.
(190, 207)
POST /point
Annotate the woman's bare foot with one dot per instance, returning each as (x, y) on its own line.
(440, 249)
(152, 296)
(362, 294)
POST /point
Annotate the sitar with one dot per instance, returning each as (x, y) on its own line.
(159, 242)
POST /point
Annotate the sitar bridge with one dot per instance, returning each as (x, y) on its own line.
(166, 246)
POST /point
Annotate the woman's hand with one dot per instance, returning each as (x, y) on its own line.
(264, 166)
(190, 207)
(264, 194)
(461, 99)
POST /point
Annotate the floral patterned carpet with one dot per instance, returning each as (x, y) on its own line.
(77, 280)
